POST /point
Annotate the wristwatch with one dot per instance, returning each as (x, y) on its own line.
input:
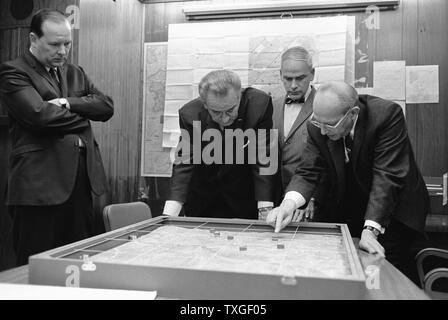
(63, 102)
(265, 209)
(263, 212)
(375, 231)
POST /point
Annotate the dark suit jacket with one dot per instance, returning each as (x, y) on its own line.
(383, 164)
(223, 190)
(293, 145)
(44, 157)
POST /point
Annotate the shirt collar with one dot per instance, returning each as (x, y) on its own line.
(307, 94)
(352, 131)
(46, 68)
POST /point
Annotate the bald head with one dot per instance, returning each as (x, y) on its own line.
(333, 99)
(334, 109)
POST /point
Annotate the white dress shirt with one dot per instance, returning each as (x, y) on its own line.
(291, 112)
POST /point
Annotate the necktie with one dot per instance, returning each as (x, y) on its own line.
(53, 75)
(290, 100)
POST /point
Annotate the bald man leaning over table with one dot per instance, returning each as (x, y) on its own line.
(378, 188)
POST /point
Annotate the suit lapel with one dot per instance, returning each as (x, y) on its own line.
(359, 134)
(281, 123)
(40, 69)
(239, 121)
(336, 149)
(304, 114)
(62, 74)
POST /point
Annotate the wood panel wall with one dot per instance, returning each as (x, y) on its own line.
(111, 51)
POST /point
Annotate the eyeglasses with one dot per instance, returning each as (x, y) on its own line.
(327, 126)
(220, 114)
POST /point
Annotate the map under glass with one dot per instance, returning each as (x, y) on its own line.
(236, 250)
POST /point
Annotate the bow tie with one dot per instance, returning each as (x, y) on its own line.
(289, 100)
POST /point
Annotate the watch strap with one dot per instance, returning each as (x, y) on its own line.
(374, 230)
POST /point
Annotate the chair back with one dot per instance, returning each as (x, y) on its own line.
(432, 267)
(124, 214)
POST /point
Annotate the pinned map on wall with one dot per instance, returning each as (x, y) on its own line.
(389, 79)
(155, 159)
(395, 81)
(422, 84)
(252, 49)
(366, 90)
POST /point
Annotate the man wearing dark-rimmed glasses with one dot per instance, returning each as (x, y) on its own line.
(379, 191)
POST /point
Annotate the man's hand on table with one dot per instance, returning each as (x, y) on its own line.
(306, 214)
(281, 216)
(369, 243)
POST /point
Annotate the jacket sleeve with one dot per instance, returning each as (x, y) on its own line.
(310, 169)
(391, 165)
(94, 105)
(183, 165)
(26, 106)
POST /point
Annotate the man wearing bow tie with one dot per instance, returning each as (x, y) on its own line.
(223, 187)
(290, 115)
(55, 161)
(379, 190)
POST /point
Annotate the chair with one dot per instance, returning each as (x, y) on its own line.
(432, 267)
(123, 214)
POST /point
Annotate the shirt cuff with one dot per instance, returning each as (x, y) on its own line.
(295, 196)
(374, 224)
(172, 208)
(264, 204)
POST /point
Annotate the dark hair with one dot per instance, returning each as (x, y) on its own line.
(43, 15)
(218, 82)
